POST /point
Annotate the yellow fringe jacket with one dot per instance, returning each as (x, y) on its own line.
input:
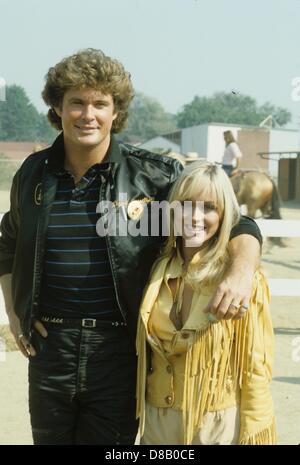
(215, 365)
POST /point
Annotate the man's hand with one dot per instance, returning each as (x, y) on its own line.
(231, 299)
(25, 347)
(21, 340)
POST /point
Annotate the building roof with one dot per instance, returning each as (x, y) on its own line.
(212, 123)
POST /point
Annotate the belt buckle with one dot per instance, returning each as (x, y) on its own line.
(88, 323)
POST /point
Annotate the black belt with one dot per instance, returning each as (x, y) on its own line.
(79, 322)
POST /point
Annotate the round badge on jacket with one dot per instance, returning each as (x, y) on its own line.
(38, 194)
(135, 209)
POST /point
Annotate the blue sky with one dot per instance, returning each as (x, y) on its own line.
(174, 49)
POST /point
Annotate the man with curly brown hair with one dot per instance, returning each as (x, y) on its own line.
(73, 296)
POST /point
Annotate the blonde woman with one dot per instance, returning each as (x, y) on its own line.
(202, 381)
(232, 155)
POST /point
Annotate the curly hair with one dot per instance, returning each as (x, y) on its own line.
(89, 68)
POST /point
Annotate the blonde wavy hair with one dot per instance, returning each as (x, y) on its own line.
(89, 68)
(198, 179)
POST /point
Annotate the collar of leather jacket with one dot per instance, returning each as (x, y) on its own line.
(57, 154)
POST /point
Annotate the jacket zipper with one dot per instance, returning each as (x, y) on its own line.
(102, 190)
(38, 252)
(34, 301)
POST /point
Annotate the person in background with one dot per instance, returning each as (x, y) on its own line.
(232, 155)
(202, 381)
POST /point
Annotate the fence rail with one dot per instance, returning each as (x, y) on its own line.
(278, 228)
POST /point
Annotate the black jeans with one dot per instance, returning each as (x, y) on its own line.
(228, 169)
(82, 386)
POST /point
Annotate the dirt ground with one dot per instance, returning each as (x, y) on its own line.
(278, 263)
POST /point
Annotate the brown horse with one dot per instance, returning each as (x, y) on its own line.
(257, 191)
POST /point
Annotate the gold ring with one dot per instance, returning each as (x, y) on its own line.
(235, 306)
(245, 307)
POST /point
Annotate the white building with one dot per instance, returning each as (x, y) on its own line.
(208, 141)
(161, 143)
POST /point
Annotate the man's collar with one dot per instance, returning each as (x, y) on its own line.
(57, 154)
(114, 154)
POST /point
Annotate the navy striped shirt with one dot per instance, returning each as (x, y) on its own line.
(77, 280)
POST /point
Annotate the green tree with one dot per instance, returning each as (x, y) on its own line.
(225, 107)
(281, 115)
(20, 120)
(147, 118)
(45, 132)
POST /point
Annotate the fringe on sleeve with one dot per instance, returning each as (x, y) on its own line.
(230, 350)
(266, 436)
(257, 416)
(141, 374)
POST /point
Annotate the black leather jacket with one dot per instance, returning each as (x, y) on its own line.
(138, 173)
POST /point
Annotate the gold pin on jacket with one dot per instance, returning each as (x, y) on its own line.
(135, 209)
(38, 194)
